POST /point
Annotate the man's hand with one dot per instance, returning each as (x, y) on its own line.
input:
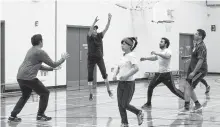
(114, 78)
(154, 53)
(57, 68)
(142, 59)
(96, 19)
(191, 75)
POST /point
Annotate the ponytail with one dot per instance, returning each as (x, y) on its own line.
(134, 39)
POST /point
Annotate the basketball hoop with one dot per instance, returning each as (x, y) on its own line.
(168, 24)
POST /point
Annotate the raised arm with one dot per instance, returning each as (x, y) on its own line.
(92, 27)
(107, 25)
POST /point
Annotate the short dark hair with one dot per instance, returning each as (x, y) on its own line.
(36, 39)
(96, 27)
(166, 41)
(202, 33)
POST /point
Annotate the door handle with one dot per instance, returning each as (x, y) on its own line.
(80, 56)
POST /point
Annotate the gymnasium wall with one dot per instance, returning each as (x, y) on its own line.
(20, 20)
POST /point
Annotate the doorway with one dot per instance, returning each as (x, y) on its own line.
(76, 70)
(185, 49)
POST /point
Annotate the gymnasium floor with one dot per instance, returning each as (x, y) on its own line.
(72, 108)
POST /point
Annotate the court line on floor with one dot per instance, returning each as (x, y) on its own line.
(130, 125)
(78, 106)
(164, 117)
(67, 95)
(74, 98)
(108, 101)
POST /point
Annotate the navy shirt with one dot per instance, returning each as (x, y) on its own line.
(95, 45)
(199, 52)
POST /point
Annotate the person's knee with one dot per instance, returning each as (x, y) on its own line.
(45, 94)
(150, 87)
(26, 96)
(124, 106)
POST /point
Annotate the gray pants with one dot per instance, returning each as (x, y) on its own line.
(125, 93)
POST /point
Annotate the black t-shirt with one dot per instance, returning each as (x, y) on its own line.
(95, 45)
(199, 52)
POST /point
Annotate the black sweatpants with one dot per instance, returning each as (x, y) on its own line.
(92, 61)
(125, 93)
(168, 80)
(26, 87)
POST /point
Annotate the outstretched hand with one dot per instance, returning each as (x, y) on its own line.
(65, 56)
(142, 59)
(109, 16)
(58, 68)
(96, 19)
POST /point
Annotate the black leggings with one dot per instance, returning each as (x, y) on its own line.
(92, 61)
(168, 80)
(26, 88)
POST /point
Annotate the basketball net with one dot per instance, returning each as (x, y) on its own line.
(168, 27)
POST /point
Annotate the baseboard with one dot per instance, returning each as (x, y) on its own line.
(114, 82)
(49, 87)
(213, 73)
(99, 83)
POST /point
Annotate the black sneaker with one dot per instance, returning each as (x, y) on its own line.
(124, 125)
(207, 89)
(43, 118)
(14, 119)
(147, 105)
(90, 97)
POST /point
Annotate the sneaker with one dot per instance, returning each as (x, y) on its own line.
(140, 118)
(147, 105)
(90, 97)
(207, 89)
(43, 118)
(14, 119)
(124, 125)
(197, 108)
(110, 93)
(184, 111)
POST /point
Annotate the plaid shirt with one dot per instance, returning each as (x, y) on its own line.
(199, 52)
